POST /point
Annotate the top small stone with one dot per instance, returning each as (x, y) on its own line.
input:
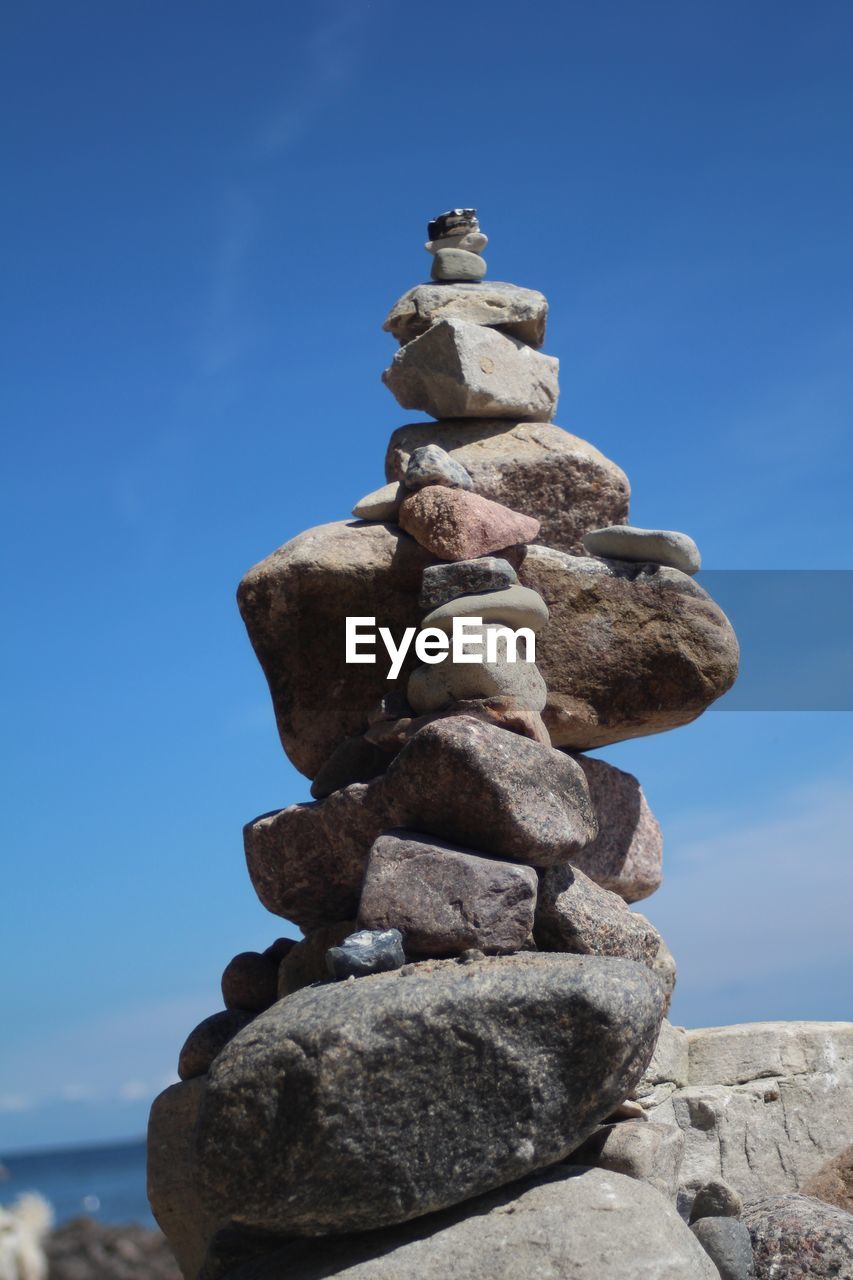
(454, 222)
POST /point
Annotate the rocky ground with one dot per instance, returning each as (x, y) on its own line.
(87, 1250)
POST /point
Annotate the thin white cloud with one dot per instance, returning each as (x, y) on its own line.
(135, 1091)
(15, 1103)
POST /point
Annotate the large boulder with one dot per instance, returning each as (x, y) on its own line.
(357, 1105)
(462, 370)
(572, 1223)
(765, 1105)
(519, 312)
(628, 649)
(464, 781)
(533, 467)
(797, 1238)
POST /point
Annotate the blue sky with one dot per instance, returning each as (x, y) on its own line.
(208, 210)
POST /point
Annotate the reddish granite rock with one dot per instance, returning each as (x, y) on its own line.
(627, 854)
(574, 914)
(456, 525)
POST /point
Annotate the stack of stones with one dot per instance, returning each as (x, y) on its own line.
(473, 999)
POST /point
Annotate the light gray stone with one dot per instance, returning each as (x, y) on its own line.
(443, 582)
(381, 504)
(639, 1149)
(571, 1223)
(575, 914)
(437, 685)
(457, 265)
(500, 1068)
(445, 900)
(473, 241)
(172, 1191)
(748, 1051)
(433, 465)
(656, 546)
(515, 607)
(627, 854)
(462, 370)
(519, 312)
(727, 1243)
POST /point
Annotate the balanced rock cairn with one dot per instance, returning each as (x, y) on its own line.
(473, 998)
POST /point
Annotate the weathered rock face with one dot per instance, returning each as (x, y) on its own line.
(525, 1232)
(519, 312)
(497, 791)
(639, 1149)
(462, 370)
(627, 651)
(575, 914)
(534, 467)
(797, 1238)
(454, 524)
(766, 1104)
(627, 854)
(500, 1068)
(172, 1192)
(445, 900)
(833, 1182)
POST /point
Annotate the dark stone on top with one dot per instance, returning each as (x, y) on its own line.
(728, 1244)
(368, 951)
(453, 222)
(430, 464)
(250, 982)
(206, 1041)
(444, 582)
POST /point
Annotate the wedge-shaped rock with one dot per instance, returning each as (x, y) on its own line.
(362, 1104)
(571, 1222)
(471, 783)
(660, 546)
(574, 914)
(533, 467)
(519, 312)
(445, 900)
(627, 650)
(461, 370)
(455, 525)
(627, 854)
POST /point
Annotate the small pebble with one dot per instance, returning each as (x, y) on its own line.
(431, 464)
(368, 951)
(453, 222)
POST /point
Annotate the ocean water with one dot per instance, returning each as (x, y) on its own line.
(105, 1183)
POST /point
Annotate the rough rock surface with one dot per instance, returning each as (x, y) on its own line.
(306, 963)
(303, 1100)
(250, 981)
(627, 854)
(208, 1039)
(658, 546)
(433, 465)
(534, 467)
(639, 1149)
(833, 1182)
(766, 1104)
(443, 582)
(443, 899)
(668, 1069)
(453, 524)
(575, 914)
(568, 1224)
(716, 1199)
(629, 650)
(797, 1238)
(727, 1243)
(457, 265)
(365, 952)
(519, 312)
(380, 504)
(495, 791)
(172, 1192)
(511, 713)
(355, 759)
(515, 607)
(462, 370)
(432, 687)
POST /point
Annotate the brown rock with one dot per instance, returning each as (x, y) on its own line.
(458, 779)
(172, 1193)
(627, 854)
(355, 759)
(833, 1182)
(249, 982)
(445, 900)
(508, 307)
(639, 1149)
(533, 467)
(505, 713)
(574, 914)
(206, 1041)
(629, 649)
(456, 525)
(306, 963)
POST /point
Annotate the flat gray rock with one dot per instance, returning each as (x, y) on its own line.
(440, 684)
(519, 312)
(430, 464)
(457, 264)
(462, 370)
(627, 854)
(445, 900)
(797, 1238)
(575, 914)
(568, 1224)
(443, 582)
(655, 546)
(515, 606)
(380, 504)
(362, 1104)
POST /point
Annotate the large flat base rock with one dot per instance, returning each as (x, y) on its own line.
(570, 1224)
(362, 1104)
